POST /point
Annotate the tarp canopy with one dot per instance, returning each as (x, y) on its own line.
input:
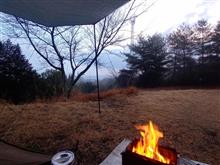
(51, 13)
(61, 12)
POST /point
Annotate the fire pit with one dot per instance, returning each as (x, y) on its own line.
(131, 158)
(146, 151)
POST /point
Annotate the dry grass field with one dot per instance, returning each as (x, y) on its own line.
(190, 120)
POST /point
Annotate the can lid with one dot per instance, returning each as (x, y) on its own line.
(63, 158)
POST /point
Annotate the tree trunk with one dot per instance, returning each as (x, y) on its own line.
(69, 92)
(64, 83)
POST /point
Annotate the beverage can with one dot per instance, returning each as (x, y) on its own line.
(63, 158)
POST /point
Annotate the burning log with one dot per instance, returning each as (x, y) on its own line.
(131, 158)
(146, 151)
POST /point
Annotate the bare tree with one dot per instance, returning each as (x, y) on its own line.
(74, 48)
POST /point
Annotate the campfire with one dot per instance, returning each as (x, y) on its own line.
(146, 150)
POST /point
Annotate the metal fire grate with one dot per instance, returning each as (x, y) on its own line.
(130, 158)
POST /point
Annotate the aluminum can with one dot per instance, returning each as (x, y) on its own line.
(63, 158)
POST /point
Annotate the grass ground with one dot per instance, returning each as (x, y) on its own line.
(190, 120)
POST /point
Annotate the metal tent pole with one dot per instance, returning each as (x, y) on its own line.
(98, 90)
(97, 72)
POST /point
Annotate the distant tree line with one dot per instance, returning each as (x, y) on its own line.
(20, 83)
(189, 56)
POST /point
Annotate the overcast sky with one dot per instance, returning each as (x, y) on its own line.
(163, 17)
(166, 15)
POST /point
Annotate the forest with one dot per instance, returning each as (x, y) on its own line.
(189, 56)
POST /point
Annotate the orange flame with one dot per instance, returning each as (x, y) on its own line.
(148, 143)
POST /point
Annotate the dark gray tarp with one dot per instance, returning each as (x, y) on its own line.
(12, 155)
(51, 13)
(61, 12)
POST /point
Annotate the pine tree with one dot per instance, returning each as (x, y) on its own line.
(216, 40)
(181, 55)
(148, 60)
(16, 74)
(202, 40)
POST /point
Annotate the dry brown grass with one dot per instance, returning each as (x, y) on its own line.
(85, 97)
(82, 97)
(190, 120)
